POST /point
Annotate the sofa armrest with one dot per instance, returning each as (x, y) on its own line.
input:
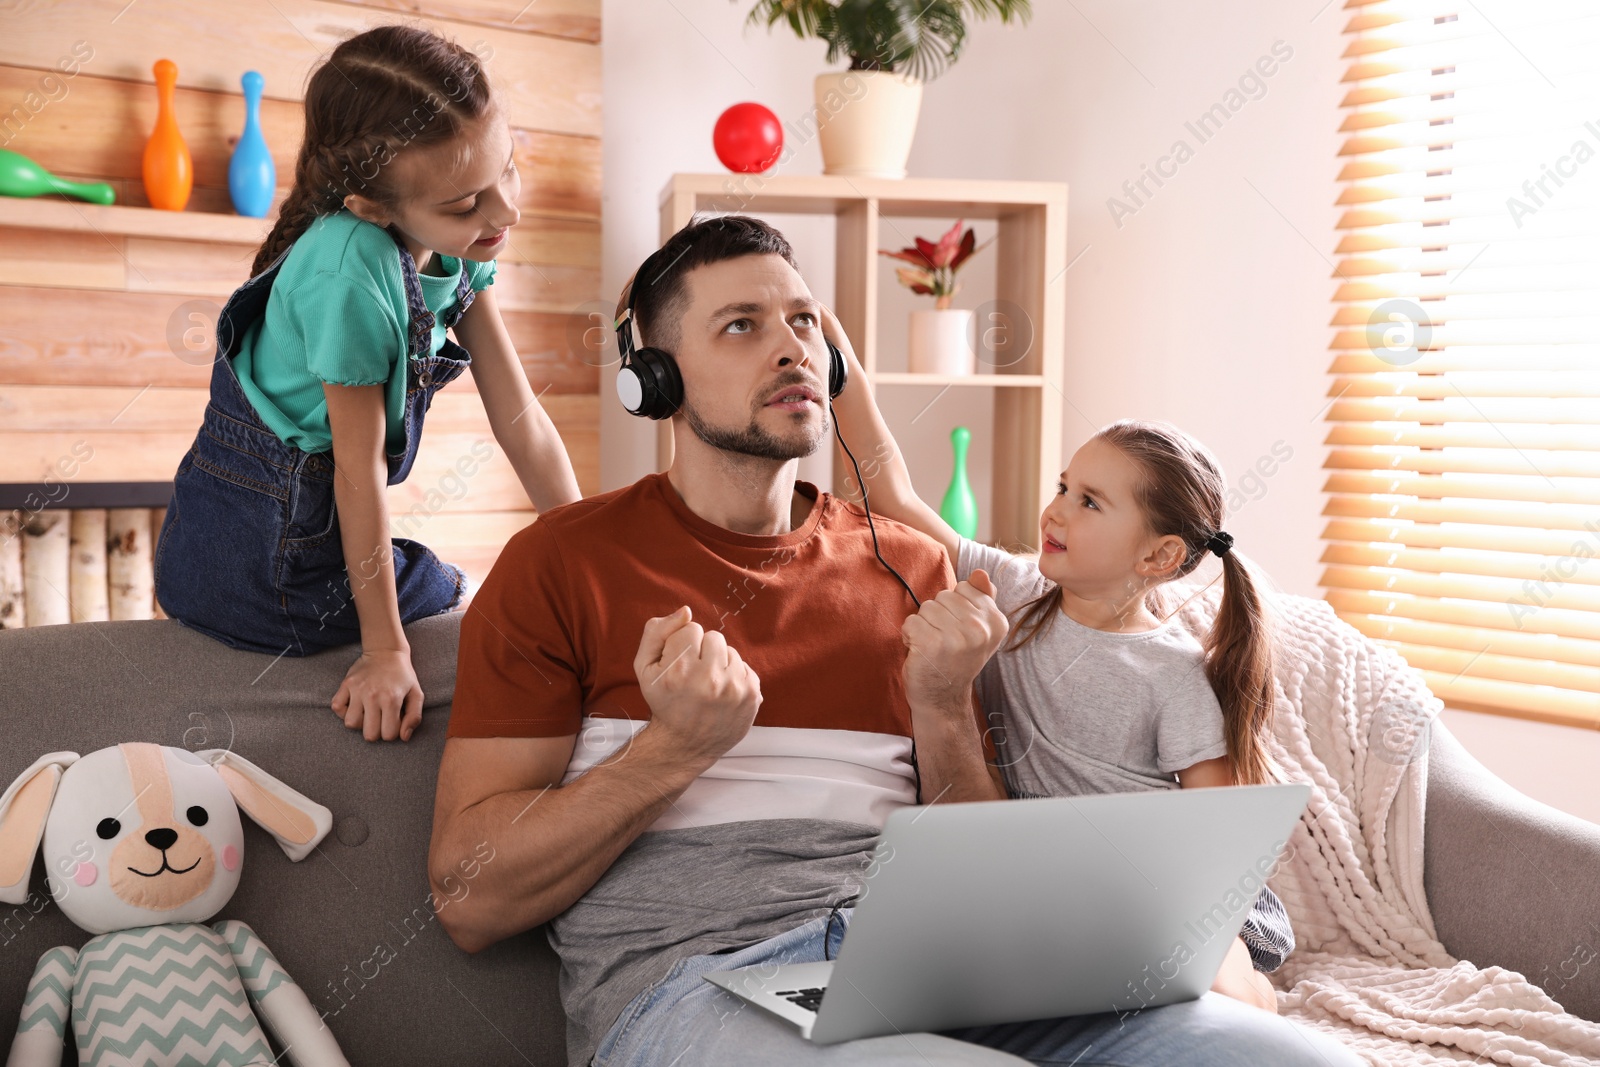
(1511, 881)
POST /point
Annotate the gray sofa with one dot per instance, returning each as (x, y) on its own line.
(1511, 881)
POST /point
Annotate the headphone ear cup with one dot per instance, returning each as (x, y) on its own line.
(838, 371)
(662, 384)
(632, 389)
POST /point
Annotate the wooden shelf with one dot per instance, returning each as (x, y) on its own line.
(1031, 253)
(824, 194)
(49, 213)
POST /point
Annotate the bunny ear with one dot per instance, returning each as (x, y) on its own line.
(23, 810)
(295, 821)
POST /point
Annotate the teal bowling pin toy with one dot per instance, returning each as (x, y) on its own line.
(21, 176)
(251, 175)
(960, 507)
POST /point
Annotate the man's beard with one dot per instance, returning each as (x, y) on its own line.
(753, 440)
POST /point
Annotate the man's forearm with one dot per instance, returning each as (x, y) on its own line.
(549, 846)
(950, 759)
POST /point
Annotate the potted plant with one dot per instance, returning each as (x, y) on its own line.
(867, 115)
(938, 341)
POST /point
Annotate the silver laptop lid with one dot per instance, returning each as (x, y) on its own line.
(1007, 910)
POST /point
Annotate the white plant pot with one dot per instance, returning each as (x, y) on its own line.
(941, 342)
(866, 120)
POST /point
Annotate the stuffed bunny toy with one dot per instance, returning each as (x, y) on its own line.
(142, 844)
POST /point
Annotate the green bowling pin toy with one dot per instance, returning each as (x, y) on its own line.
(960, 507)
(21, 176)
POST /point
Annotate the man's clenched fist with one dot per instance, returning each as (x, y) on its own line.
(701, 692)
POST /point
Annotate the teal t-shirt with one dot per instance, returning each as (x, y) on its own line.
(337, 313)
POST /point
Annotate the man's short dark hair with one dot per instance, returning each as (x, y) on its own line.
(660, 278)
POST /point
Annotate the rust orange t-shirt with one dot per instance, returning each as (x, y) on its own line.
(548, 645)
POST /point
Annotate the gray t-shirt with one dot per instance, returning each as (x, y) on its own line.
(1079, 710)
(673, 894)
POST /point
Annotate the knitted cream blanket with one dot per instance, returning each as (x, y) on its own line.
(1368, 967)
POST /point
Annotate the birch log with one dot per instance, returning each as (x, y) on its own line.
(45, 572)
(158, 516)
(128, 563)
(90, 595)
(11, 617)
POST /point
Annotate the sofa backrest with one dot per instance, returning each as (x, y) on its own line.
(351, 922)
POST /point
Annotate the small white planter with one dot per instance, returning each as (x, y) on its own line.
(941, 342)
(866, 120)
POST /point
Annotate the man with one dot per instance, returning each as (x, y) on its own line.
(684, 709)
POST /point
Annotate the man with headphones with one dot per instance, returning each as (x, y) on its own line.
(684, 708)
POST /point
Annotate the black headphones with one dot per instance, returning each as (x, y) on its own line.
(649, 385)
(648, 382)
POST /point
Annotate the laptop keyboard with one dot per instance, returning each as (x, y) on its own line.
(809, 999)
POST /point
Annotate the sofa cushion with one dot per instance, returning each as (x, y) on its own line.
(352, 921)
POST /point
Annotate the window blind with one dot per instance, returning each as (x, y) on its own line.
(1463, 508)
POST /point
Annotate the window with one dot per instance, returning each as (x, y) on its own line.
(1464, 487)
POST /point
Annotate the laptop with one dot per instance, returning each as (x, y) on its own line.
(1001, 911)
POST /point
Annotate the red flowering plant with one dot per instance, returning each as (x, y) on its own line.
(933, 266)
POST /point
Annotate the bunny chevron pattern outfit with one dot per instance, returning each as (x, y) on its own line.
(165, 996)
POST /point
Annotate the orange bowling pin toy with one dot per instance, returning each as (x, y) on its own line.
(168, 171)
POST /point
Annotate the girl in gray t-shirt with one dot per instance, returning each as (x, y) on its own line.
(1097, 688)
(1083, 710)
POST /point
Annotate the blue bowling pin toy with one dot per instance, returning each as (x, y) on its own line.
(251, 175)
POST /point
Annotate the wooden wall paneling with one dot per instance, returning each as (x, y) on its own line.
(88, 260)
(155, 430)
(82, 337)
(550, 287)
(577, 19)
(138, 339)
(94, 129)
(65, 260)
(539, 239)
(546, 83)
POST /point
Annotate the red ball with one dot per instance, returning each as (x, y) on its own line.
(748, 138)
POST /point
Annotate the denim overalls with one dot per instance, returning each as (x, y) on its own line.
(250, 552)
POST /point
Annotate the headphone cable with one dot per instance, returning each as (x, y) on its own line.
(868, 509)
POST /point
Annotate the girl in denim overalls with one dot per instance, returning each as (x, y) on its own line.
(277, 536)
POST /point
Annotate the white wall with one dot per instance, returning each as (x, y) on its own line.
(1555, 764)
(1208, 306)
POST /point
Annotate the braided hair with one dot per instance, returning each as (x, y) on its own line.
(376, 94)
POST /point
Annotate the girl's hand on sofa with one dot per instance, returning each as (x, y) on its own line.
(380, 695)
(1239, 979)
